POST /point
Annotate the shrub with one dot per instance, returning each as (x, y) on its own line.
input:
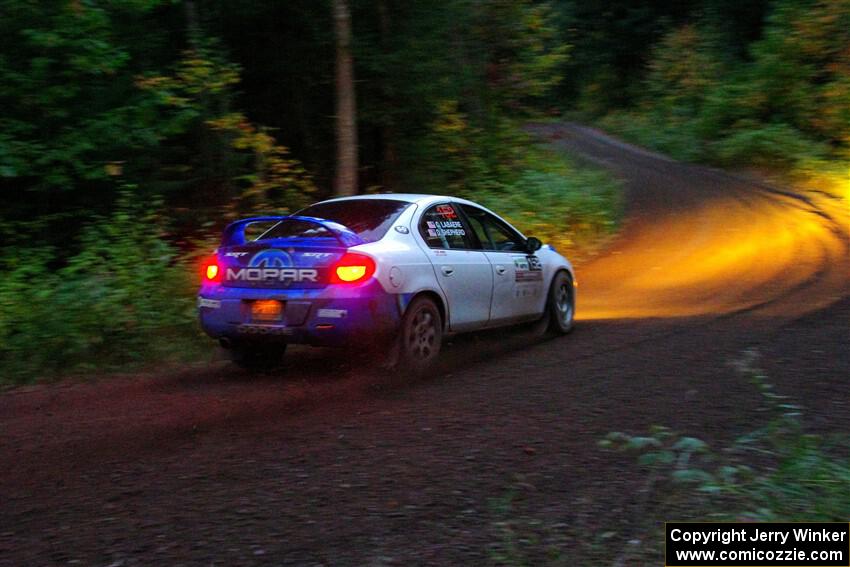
(776, 473)
(557, 201)
(676, 137)
(119, 297)
(773, 145)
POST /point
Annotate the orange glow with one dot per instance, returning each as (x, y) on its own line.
(767, 253)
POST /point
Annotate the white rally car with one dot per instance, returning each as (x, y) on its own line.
(392, 269)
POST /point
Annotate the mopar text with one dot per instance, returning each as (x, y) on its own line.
(273, 275)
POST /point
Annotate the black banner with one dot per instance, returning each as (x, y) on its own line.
(806, 544)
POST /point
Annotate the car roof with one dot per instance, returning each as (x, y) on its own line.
(419, 198)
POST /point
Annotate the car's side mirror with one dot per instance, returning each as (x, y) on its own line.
(532, 244)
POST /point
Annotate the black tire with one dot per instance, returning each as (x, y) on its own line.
(421, 336)
(258, 358)
(561, 304)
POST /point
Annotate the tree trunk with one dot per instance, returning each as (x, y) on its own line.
(389, 161)
(346, 111)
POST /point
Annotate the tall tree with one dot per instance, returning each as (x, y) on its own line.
(346, 104)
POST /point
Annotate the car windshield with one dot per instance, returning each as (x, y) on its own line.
(370, 219)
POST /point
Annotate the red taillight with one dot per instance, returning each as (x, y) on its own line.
(352, 268)
(211, 271)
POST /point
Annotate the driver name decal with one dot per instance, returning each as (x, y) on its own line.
(445, 228)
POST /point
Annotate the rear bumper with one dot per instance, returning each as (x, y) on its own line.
(333, 316)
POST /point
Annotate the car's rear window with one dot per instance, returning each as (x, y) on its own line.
(291, 228)
(370, 219)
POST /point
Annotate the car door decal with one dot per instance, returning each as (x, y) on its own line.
(528, 269)
(445, 228)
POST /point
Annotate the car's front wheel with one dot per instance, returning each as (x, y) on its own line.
(421, 335)
(561, 304)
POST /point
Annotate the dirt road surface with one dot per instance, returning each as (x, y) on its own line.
(334, 462)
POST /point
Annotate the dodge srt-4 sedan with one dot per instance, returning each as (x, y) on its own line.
(399, 271)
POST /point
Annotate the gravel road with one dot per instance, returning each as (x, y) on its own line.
(334, 462)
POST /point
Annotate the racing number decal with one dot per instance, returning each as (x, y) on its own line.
(446, 211)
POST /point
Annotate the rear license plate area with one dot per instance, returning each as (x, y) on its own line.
(266, 310)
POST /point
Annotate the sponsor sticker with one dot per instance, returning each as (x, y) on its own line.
(528, 269)
(273, 265)
(271, 258)
(333, 313)
(209, 303)
(527, 276)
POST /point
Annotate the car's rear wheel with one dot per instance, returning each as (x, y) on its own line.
(258, 357)
(421, 335)
(561, 304)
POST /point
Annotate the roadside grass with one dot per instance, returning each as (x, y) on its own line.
(778, 472)
(520, 539)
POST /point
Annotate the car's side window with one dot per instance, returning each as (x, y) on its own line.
(492, 232)
(442, 227)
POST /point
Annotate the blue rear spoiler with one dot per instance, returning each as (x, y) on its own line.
(234, 233)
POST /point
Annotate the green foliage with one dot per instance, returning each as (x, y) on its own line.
(611, 42)
(520, 48)
(682, 69)
(66, 87)
(677, 138)
(551, 198)
(519, 539)
(251, 171)
(769, 146)
(802, 66)
(446, 84)
(538, 190)
(120, 298)
(782, 107)
(776, 473)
